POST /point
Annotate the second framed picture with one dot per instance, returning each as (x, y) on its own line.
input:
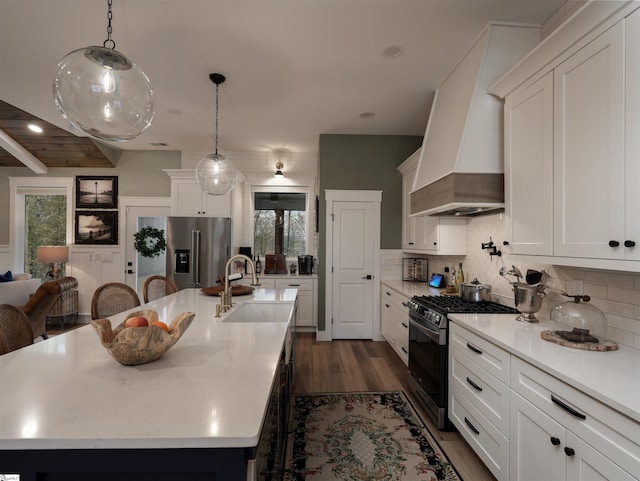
(96, 192)
(96, 227)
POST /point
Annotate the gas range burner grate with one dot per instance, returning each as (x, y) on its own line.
(452, 304)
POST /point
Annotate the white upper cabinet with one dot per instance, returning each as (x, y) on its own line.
(589, 150)
(529, 169)
(572, 143)
(632, 135)
(188, 199)
(425, 234)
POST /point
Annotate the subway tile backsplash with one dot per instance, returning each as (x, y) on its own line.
(616, 293)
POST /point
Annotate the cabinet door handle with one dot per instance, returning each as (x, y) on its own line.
(410, 243)
(388, 293)
(387, 306)
(614, 243)
(474, 348)
(475, 386)
(404, 350)
(404, 324)
(471, 426)
(555, 441)
(629, 243)
(569, 451)
(568, 408)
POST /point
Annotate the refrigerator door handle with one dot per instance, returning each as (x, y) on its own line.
(195, 249)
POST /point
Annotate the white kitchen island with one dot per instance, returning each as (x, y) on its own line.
(69, 410)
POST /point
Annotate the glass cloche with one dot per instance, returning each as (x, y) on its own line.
(577, 313)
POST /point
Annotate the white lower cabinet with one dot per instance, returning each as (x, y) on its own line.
(531, 426)
(573, 436)
(479, 397)
(306, 316)
(394, 320)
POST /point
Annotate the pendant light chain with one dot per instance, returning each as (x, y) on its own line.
(109, 41)
(217, 87)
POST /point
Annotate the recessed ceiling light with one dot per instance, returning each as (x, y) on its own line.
(35, 128)
(393, 51)
(367, 115)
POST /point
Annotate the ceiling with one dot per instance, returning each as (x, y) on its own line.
(295, 69)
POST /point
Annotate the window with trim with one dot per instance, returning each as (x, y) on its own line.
(41, 210)
(280, 223)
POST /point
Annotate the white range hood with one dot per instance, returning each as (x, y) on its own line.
(461, 171)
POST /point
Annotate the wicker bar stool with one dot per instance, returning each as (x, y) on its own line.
(15, 330)
(113, 298)
(156, 287)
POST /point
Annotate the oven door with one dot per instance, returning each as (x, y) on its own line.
(428, 363)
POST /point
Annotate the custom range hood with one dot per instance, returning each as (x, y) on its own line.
(461, 171)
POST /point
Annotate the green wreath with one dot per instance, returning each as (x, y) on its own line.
(149, 241)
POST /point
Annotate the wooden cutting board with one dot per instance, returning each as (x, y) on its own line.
(603, 345)
(235, 290)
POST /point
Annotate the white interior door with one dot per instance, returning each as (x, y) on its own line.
(354, 240)
(137, 268)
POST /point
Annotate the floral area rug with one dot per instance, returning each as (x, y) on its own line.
(361, 437)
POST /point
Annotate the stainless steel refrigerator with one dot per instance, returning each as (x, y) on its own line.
(197, 250)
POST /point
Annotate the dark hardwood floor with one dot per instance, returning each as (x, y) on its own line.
(347, 365)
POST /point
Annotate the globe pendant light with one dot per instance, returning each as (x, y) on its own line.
(215, 174)
(103, 93)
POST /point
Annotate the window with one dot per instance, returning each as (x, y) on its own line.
(45, 224)
(40, 214)
(280, 220)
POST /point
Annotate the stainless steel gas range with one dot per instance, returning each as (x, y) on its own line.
(428, 348)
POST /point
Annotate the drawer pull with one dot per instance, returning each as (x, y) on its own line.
(568, 408)
(387, 306)
(555, 441)
(404, 350)
(569, 451)
(405, 304)
(388, 293)
(294, 285)
(404, 324)
(474, 384)
(474, 348)
(471, 426)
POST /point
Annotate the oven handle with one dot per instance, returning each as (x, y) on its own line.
(433, 335)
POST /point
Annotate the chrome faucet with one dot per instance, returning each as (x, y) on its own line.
(225, 303)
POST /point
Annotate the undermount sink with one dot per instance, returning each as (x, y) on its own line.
(260, 312)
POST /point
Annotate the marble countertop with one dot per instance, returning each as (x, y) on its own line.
(611, 377)
(209, 390)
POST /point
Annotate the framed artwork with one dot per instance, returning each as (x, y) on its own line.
(96, 192)
(96, 227)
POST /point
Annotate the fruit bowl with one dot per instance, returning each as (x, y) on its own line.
(132, 346)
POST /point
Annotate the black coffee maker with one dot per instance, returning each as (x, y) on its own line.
(305, 265)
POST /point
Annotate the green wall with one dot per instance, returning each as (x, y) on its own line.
(139, 174)
(363, 162)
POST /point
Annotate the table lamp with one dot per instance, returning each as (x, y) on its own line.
(50, 255)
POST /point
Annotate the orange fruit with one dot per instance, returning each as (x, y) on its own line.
(161, 325)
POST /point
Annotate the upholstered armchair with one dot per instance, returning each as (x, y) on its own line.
(38, 307)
